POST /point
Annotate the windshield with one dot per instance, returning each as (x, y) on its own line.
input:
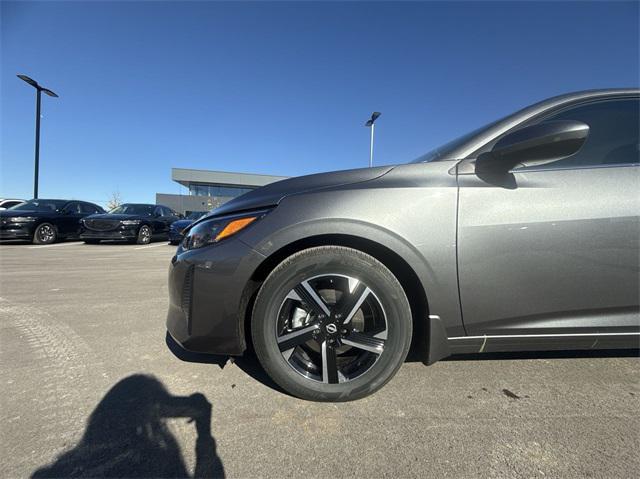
(128, 209)
(447, 150)
(194, 215)
(40, 205)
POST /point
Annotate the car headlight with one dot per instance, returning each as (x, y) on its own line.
(130, 222)
(22, 219)
(214, 230)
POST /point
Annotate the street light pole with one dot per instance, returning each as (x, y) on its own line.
(373, 129)
(37, 165)
(370, 124)
(39, 90)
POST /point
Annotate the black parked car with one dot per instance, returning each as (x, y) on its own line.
(137, 223)
(45, 221)
(177, 228)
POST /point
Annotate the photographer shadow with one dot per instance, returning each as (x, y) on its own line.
(127, 436)
(248, 362)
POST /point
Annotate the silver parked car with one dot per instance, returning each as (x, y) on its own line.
(522, 235)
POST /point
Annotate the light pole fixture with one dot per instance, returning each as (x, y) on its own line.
(370, 123)
(39, 90)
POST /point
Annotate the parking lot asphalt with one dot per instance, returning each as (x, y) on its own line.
(90, 388)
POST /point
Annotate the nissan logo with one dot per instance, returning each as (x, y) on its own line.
(331, 328)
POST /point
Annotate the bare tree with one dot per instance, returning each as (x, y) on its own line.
(114, 201)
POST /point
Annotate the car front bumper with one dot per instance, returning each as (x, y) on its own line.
(16, 232)
(121, 234)
(175, 236)
(209, 290)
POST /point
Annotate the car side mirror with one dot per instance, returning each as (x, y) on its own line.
(534, 145)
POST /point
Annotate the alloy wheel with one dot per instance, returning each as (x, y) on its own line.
(331, 328)
(46, 234)
(145, 235)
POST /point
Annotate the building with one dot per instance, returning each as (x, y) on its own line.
(210, 189)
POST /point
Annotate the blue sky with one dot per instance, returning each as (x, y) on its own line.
(279, 88)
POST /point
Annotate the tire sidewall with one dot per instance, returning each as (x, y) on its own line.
(322, 261)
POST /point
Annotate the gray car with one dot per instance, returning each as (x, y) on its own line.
(522, 235)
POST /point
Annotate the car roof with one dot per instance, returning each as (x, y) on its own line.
(57, 199)
(62, 201)
(587, 94)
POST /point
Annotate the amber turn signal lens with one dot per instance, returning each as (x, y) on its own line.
(235, 226)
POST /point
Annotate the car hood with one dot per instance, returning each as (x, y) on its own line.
(107, 216)
(272, 194)
(37, 214)
(181, 224)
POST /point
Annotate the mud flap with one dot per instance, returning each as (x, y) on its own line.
(437, 341)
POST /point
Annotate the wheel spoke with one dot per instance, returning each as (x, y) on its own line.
(349, 306)
(365, 342)
(295, 338)
(329, 364)
(287, 354)
(381, 335)
(311, 298)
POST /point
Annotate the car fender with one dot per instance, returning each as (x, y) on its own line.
(430, 333)
(300, 218)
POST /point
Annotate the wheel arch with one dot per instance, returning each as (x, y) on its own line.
(400, 268)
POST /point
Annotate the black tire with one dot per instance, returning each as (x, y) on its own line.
(318, 264)
(92, 241)
(45, 233)
(174, 242)
(144, 235)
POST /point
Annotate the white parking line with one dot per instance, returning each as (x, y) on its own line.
(151, 246)
(52, 245)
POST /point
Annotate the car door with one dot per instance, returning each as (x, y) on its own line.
(159, 220)
(68, 221)
(168, 217)
(557, 251)
(172, 216)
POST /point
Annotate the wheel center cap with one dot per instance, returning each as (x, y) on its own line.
(331, 328)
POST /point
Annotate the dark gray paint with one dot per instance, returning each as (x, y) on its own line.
(395, 210)
(552, 252)
(559, 253)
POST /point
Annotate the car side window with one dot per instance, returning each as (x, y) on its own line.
(614, 134)
(73, 208)
(87, 209)
(158, 211)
